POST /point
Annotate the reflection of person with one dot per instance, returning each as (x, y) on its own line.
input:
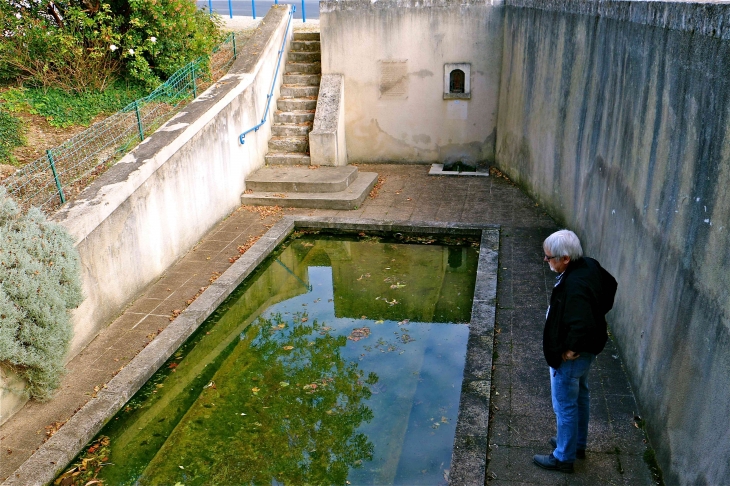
(575, 332)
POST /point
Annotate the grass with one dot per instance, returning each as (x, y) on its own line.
(63, 109)
(11, 135)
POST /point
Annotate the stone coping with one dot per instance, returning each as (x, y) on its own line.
(470, 443)
(705, 17)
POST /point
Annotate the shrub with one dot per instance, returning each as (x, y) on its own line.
(83, 45)
(39, 283)
(11, 135)
(69, 50)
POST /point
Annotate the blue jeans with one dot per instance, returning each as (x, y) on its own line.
(571, 396)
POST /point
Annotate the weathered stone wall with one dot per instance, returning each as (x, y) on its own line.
(392, 55)
(616, 117)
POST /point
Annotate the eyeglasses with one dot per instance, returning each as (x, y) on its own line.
(548, 258)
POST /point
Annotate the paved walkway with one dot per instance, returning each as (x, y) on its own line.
(522, 421)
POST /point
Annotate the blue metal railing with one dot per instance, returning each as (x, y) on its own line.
(273, 81)
(242, 10)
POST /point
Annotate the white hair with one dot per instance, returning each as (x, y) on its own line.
(563, 243)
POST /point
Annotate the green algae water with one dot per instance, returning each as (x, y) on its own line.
(339, 361)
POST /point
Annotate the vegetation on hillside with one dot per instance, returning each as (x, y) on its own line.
(82, 45)
(73, 60)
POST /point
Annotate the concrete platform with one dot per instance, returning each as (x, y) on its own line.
(351, 197)
(302, 179)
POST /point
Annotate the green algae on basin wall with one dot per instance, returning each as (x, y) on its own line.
(340, 359)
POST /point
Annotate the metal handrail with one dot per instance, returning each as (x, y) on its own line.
(273, 81)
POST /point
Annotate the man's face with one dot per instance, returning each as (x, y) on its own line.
(557, 264)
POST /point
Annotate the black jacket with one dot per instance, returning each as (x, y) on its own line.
(576, 319)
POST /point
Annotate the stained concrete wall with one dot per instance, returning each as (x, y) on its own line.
(327, 142)
(392, 55)
(616, 117)
(155, 204)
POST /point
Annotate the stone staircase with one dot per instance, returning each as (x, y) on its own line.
(289, 179)
(294, 117)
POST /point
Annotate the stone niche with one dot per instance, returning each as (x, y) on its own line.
(457, 85)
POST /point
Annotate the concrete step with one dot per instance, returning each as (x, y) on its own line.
(350, 198)
(305, 45)
(287, 158)
(293, 116)
(289, 144)
(296, 104)
(301, 179)
(290, 129)
(302, 79)
(306, 36)
(303, 68)
(304, 56)
(295, 91)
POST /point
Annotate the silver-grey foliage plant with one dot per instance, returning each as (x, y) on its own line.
(39, 283)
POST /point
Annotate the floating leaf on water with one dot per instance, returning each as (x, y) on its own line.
(444, 420)
(379, 321)
(305, 319)
(283, 383)
(287, 348)
(281, 326)
(359, 333)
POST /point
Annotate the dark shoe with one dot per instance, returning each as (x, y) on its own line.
(551, 463)
(579, 453)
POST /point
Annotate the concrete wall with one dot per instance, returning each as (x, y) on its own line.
(392, 55)
(616, 117)
(155, 204)
(327, 142)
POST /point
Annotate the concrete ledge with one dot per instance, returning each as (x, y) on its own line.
(327, 145)
(703, 17)
(350, 198)
(335, 5)
(54, 455)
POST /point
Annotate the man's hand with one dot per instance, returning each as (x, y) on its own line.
(570, 355)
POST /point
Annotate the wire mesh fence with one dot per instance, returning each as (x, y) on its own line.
(66, 170)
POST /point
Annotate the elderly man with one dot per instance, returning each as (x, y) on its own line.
(575, 332)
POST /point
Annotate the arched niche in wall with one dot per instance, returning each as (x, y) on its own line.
(457, 82)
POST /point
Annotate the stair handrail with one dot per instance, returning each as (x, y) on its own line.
(273, 81)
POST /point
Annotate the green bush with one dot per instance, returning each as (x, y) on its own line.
(11, 136)
(39, 283)
(84, 45)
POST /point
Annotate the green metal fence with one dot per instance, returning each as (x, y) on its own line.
(66, 170)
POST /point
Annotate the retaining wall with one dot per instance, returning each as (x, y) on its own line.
(616, 117)
(157, 202)
(392, 55)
